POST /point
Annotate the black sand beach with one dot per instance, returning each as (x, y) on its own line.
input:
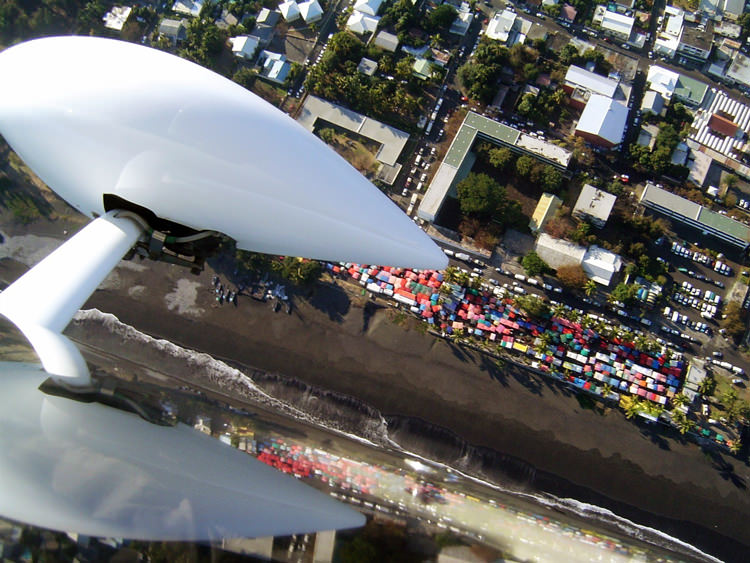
(455, 405)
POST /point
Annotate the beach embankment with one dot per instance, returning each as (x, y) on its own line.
(454, 404)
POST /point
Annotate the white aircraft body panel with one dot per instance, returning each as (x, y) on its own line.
(67, 465)
(93, 116)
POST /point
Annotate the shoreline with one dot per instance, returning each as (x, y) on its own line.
(603, 460)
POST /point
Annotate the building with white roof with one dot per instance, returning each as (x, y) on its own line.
(502, 27)
(116, 17)
(668, 40)
(188, 7)
(387, 41)
(368, 7)
(594, 205)
(244, 46)
(581, 84)
(558, 253)
(310, 11)
(619, 25)
(289, 10)
(361, 23)
(601, 265)
(391, 140)
(274, 66)
(652, 102)
(733, 9)
(662, 80)
(462, 23)
(603, 121)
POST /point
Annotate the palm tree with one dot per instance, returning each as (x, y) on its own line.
(547, 337)
(574, 316)
(707, 386)
(631, 405)
(684, 424)
(680, 400)
(641, 342)
(559, 311)
(735, 446)
(606, 390)
(590, 287)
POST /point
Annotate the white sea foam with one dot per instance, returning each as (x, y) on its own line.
(234, 379)
(216, 371)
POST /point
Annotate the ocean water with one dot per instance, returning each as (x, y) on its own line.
(502, 487)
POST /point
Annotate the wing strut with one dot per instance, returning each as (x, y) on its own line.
(42, 302)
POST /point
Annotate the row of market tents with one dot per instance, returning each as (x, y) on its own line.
(555, 346)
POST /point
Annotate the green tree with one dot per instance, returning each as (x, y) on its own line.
(625, 293)
(551, 179)
(735, 322)
(441, 18)
(533, 305)
(328, 135)
(707, 386)
(479, 194)
(572, 276)
(684, 424)
(500, 158)
(526, 105)
(405, 68)
(735, 446)
(534, 265)
(524, 165)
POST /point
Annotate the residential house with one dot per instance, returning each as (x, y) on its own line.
(367, 66)
(174, 30)
(268, 17)
(652, 103)
(289, 10)
(310, 11)
(368, 7)
(696, 43)
(422, 69)
(594, 205)
(245, 47)
(387, 41)
(568, 13)
(361, 23)
(274, 66)
(613, 23)
(188, 7)
(116, 17)
(264, 34)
